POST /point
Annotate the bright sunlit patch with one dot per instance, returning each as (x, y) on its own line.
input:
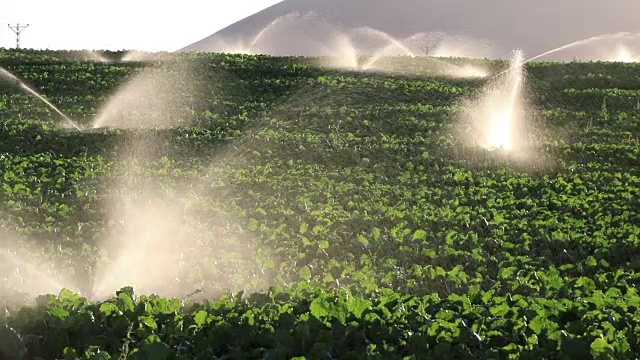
(499, 136)
(496, 117)
(503, 108)
(623, 55)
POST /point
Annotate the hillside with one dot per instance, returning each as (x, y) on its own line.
(323, 213)
(534, 26)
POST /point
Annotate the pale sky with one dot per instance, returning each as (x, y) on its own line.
(119, 24)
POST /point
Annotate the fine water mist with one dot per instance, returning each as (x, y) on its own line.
(138, 56)
(496, 119)
(623, 53)
(88, 55)
(166, 235)
(367, 49)
(358, 49)
(10, 77)
(386, 45)
(27, 276)
(439, 44)
(27, 270)
(593, 39)
(159, 244)
(308, 33)
(164, 95)
(172, 234)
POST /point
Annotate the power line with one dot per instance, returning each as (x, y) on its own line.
(18, 29)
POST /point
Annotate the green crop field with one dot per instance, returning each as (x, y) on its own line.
(291, 211)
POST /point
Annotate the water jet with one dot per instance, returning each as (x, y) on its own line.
(31, 279)
(622, 53)
(157, 96)
(161, 242)
(368, 49)
(495, 119)
(88, 55)
(358, 49)
(23, 270)
(619, 35)
(390, 45)
(9, 76)
(309, 34)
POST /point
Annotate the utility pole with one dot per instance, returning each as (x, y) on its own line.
(18, 29)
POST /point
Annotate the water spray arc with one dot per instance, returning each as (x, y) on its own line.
(495, 119)
(501, 127)
(622, 53)
(26, 270)
(38, 279)
(11, 77)
(392, 44)
(260, 35)
(583, 42)
(358, 49)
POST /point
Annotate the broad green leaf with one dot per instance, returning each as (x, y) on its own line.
(319, 308)
(600, 347)
(419, 235)
(358, 306)
(376, 233)
(59, 313)
(507, 273)
(108, 309)
(537, 324)
(125, 302)
(148, 321)
(363, 240)
(200, 318)
(305, 273)
(499, 310)
(69, 296)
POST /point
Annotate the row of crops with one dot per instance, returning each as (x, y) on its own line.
(313, 213)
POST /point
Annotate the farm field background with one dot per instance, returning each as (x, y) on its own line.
(296, 211)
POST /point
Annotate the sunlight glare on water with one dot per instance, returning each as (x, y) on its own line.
(623, 55)
(500, 135)
(502, 104)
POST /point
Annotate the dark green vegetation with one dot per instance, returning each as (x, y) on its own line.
(373, 231)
